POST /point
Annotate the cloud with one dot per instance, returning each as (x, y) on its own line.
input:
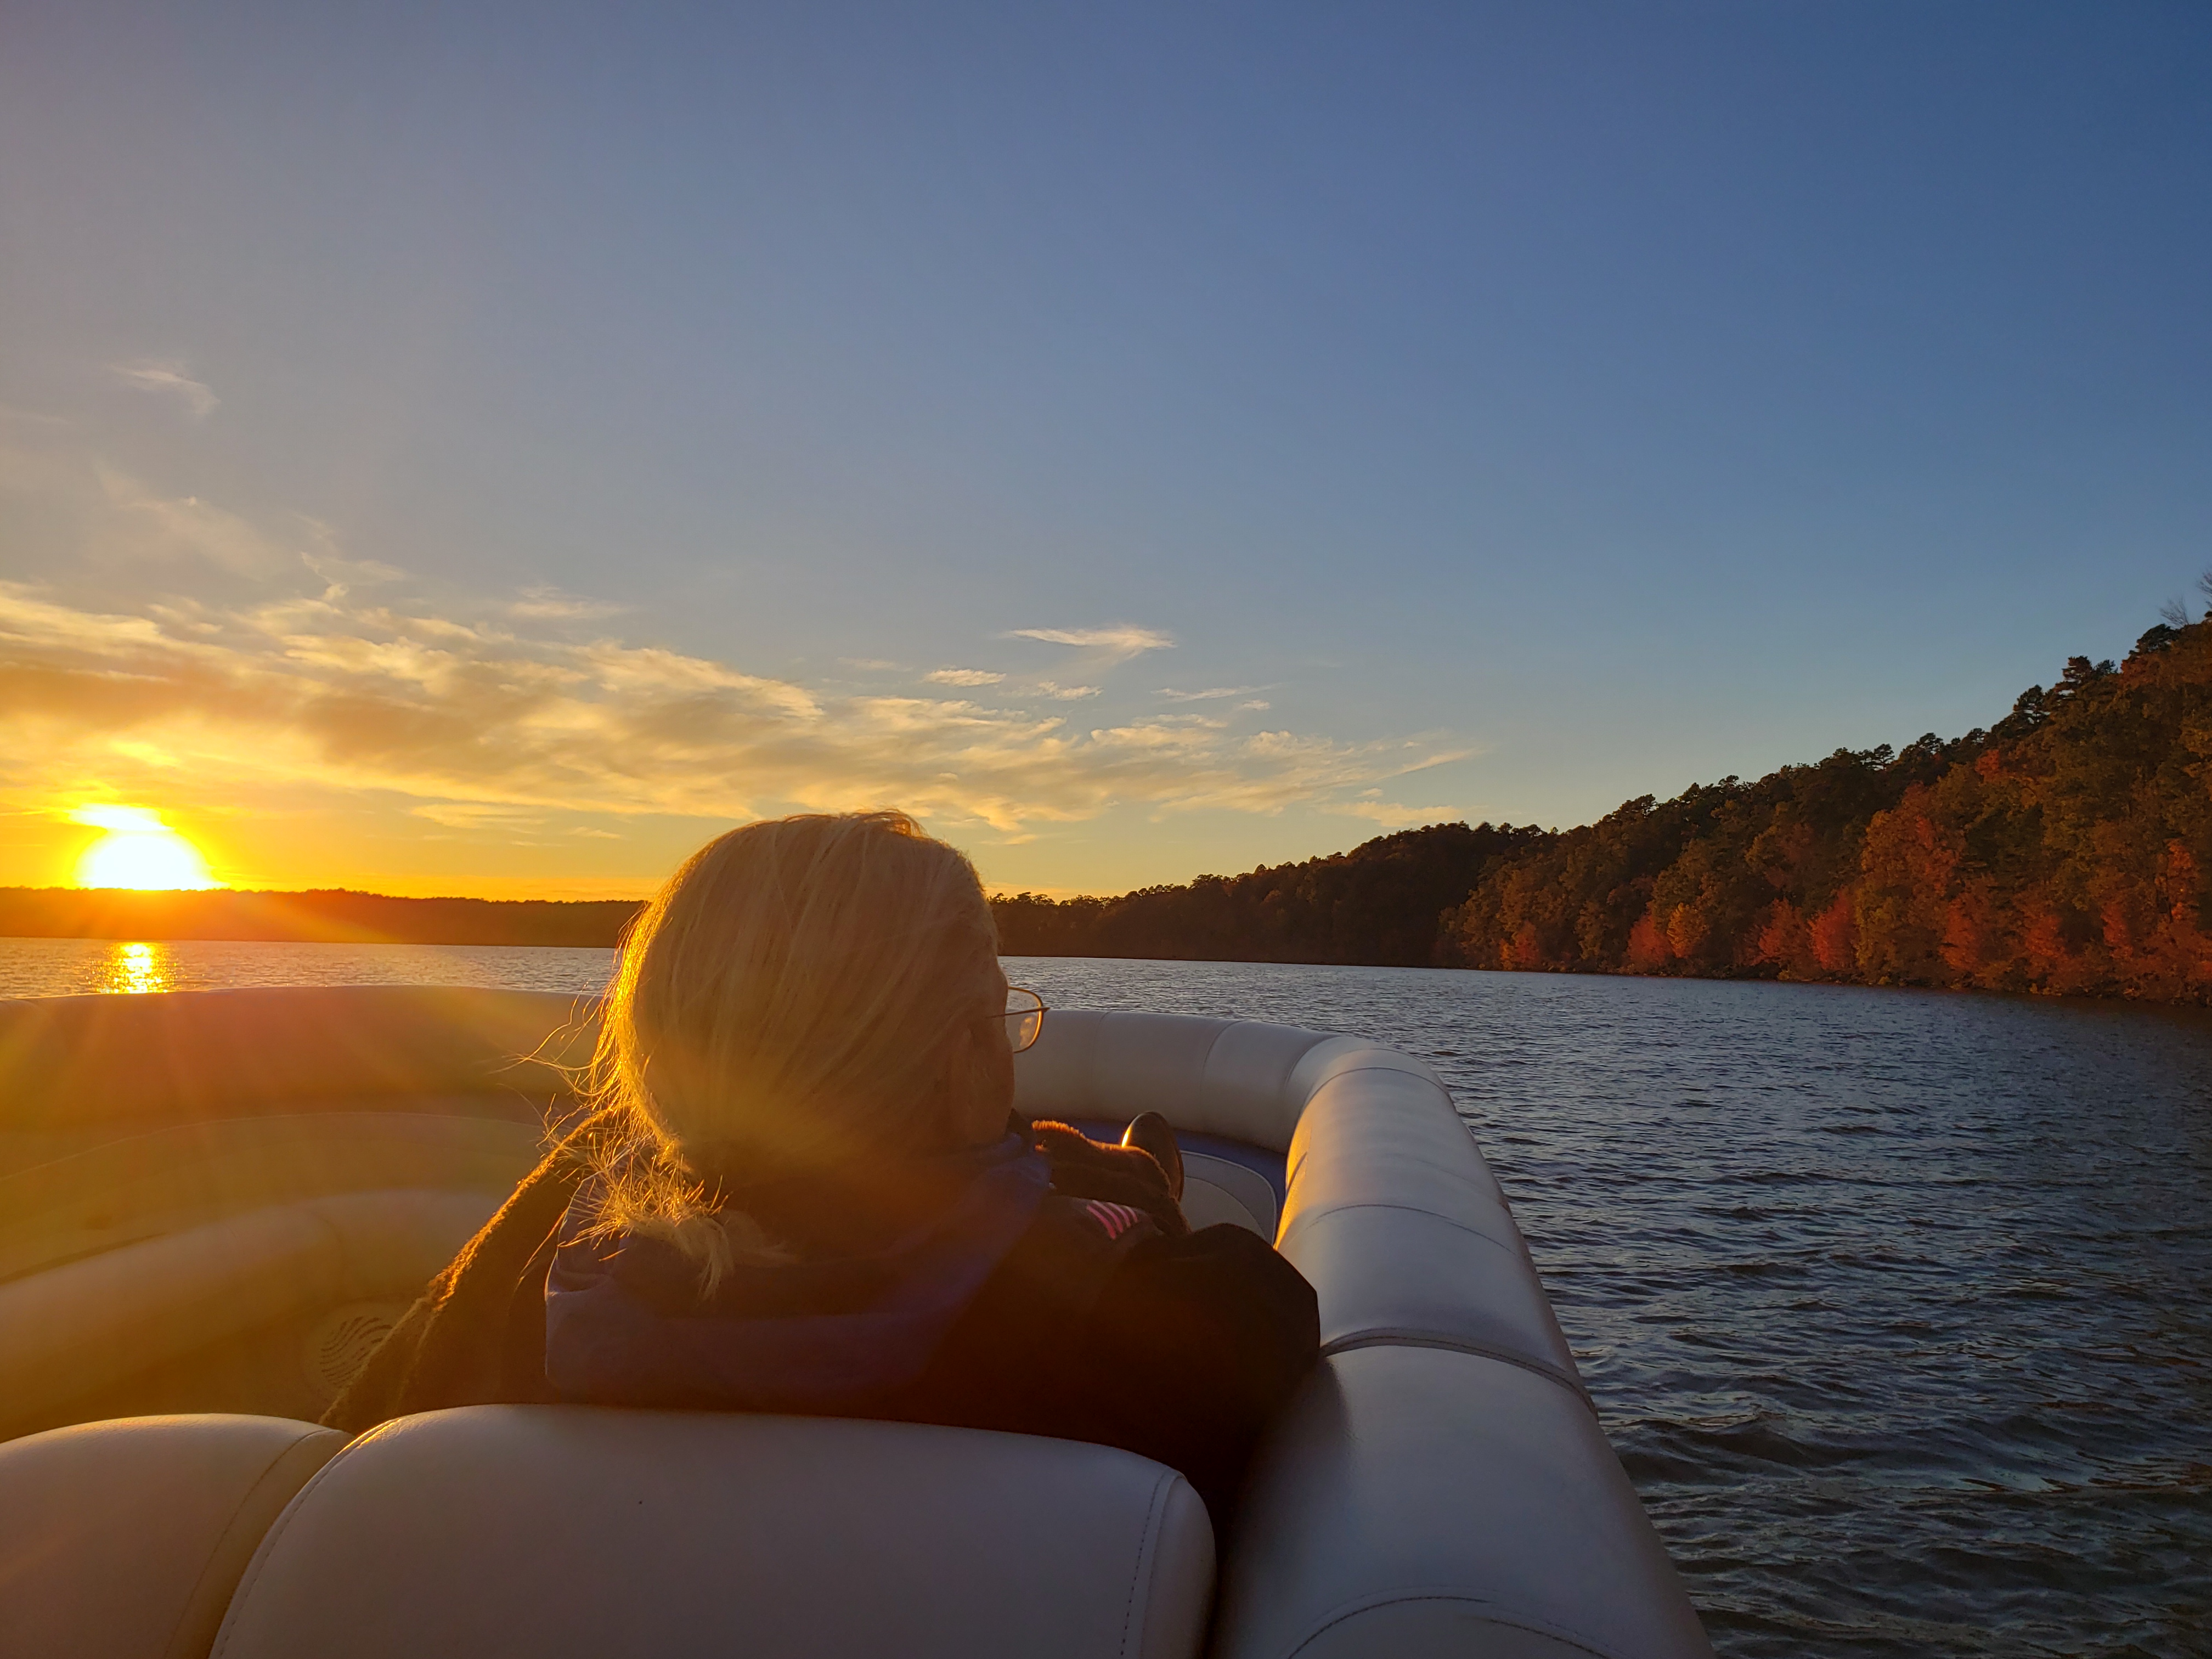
(481, 716)
(1389, 815)
(962, 676)
(122, 820)
(1256, 703)
(345, 574)
(485, 730)
(138, 522)
(476, 814)
(551, 603)
(1104, 646)
(1171, 695)
(167, 376)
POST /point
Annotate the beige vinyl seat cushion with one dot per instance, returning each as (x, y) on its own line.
(585, 1532)
(124, 1540)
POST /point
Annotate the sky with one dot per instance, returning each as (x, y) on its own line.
(492, 449)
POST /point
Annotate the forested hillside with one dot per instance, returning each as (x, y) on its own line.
(2065, 850)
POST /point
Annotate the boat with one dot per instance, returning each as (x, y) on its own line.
(214, 1204)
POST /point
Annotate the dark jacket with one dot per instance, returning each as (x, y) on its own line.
(1105, 1319)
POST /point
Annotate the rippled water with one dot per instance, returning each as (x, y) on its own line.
(73, 967)
(1894, 1304)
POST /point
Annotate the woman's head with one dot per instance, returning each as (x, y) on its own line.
(806, 991)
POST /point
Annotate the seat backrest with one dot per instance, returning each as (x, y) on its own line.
(70, 1062)
(124, 1540)
(560, 1531)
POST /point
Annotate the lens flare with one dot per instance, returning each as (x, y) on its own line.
(138, 850)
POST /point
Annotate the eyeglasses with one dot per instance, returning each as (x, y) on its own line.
(1025, 1017)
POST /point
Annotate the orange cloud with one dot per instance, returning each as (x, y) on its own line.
(477, 713)
(371, 697)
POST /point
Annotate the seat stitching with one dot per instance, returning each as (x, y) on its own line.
(1145, 1544)
(284, 1455)
(268, 1544)
(1428, 1077)
(230, 1520)
(1533, 1628)
(1305, 1215)
(1396, 1339)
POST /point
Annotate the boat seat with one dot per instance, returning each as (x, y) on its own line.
(564, 1532)
(124, 1540)
(78, 1332)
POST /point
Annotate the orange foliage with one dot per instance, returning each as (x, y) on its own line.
(1835, 936)
(1648, 950)
(2064, 851)
(1785, 941)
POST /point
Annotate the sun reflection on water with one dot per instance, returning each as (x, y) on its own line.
(136, 967)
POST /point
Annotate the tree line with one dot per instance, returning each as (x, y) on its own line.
(328, 916)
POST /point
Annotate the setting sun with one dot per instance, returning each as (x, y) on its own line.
(138, 850)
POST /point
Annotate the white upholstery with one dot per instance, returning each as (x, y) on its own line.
(1417, 1502)
(168, 1180)
(1215, 1076)
(1215, 1189)
(1402, 1231)
(66, 1060)
(1241, 1080)
(123, 1539)
(77, 1329)
(554, 1532)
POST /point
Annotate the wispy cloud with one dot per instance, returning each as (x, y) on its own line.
(139, 522)
(1171, 694)
(483, 728)
(1390, 815)
(1104, 646)
(167, 376)
(476, 814)
(482, 719)
(344, 574)
(962, 676)
(552, 604)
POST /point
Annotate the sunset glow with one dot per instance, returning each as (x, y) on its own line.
(138, 851)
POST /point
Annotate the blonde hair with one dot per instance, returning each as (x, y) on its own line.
(789, 994)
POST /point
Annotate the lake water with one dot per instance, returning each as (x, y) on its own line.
(1894, 1304)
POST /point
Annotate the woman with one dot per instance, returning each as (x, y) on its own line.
(806, 1191)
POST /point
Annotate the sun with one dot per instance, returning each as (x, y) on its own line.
(138, 850)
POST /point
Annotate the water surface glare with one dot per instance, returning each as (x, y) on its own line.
(1891, 1302)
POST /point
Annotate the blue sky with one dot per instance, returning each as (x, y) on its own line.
(490, 449)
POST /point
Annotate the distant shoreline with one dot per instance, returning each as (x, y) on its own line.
(327, 916)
